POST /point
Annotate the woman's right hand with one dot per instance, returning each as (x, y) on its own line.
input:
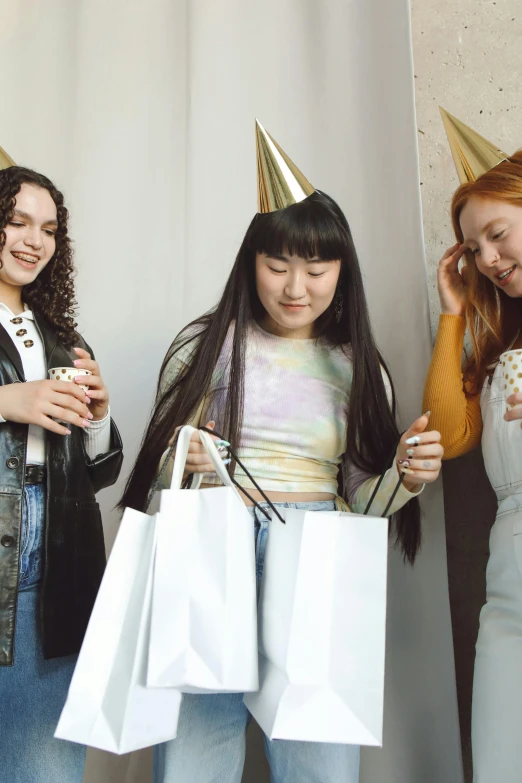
(40, 402)
(451, 283)
(198, 460)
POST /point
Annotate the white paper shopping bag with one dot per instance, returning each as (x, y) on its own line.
(204, 622)
(322, 614)
(109, 705)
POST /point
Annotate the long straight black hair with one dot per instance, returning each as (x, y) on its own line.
(315, 227)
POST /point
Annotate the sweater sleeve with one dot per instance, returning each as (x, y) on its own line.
(360, 485)
(358, 500)
(454, 414)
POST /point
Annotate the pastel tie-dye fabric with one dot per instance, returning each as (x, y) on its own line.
(294, 415)
(294, 418)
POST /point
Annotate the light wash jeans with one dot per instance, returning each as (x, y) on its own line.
(210, 744)
(33, 691)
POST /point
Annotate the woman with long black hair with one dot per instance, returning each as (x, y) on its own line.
(286, 368)
(59, 446)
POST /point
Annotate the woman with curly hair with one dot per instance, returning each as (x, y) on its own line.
(58, 446)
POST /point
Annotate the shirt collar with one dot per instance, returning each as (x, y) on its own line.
(27, 314)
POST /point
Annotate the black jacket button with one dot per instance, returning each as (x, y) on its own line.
(7, 541)
(12, 463)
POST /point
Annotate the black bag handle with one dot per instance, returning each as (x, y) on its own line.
(389, 463)
(252, 479)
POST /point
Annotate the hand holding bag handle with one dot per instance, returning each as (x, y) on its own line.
(214, 454)
(215, 458)
(366, 510)
(196, 481)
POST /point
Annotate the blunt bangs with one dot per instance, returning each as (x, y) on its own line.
(313, 228)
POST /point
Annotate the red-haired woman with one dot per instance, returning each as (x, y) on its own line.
(486, 297)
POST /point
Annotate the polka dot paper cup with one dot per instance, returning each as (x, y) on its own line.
(68, 374)
(511, 362)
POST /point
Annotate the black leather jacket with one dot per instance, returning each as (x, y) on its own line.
(74, 544)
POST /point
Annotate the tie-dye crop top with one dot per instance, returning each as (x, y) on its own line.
(296, 396)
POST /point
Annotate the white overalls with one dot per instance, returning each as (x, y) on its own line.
(497, 687)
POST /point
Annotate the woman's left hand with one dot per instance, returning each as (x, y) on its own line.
(98, 395)
(419, 455)
(514, 413)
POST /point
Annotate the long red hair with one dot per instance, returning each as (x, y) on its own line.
(493, 318)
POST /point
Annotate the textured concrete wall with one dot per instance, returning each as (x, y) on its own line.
(468, 58)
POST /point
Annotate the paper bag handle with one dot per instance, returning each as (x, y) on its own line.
(180, 455)
(204, 430)
(217, 462)
(179, 449)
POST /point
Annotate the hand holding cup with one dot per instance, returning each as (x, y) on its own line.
(49, 404)
(88, 374)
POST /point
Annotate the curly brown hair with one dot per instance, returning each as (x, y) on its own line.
(51, 295)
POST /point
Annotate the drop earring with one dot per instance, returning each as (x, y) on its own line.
(338, 305)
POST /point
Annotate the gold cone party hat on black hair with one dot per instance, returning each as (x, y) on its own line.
(5, 160)
(472, 153)
(279, 181)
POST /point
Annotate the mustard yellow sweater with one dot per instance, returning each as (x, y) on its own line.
(454, 414)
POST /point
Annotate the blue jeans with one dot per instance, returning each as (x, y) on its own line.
(210, 744)
(33, 690)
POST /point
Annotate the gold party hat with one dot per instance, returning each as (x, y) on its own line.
(5, 160)
(279, 181)
(472, 153)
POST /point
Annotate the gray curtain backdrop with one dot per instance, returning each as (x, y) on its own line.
(143, 112)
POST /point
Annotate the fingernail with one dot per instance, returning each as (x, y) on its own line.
(222, 449)
(77, 362)
(86, 423)
(67, 432)
(222, 443)
(408, 471)
(410, 452)
(77, 350)
(413, 441)
(404, 462)
(428, 414)
(90, 415)
(227, 461)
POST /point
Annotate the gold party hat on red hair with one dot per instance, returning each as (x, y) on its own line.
(5, 160)
(279, 181)
(472, 153)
